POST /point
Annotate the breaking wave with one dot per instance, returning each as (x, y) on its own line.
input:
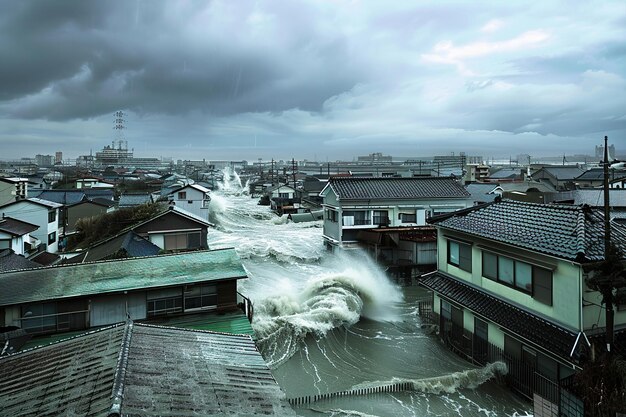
(446, 384)
(326, 303)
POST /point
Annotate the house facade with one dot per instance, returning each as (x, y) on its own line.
(193, 198)
(84, 209)
(354, 204)
(511, 274)
(12, 189)
(175, 229)
(81, 296)
(42, 213)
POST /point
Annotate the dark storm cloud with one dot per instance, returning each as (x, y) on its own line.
(84, 59)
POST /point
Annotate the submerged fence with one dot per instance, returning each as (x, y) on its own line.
(394, 387)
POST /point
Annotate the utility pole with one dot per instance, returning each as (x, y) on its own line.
(607, 247)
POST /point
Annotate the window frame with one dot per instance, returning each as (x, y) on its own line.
(52, 216)
(464, 255)
(535, 270)
(52, 237)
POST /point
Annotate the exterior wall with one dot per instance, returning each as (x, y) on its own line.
(421, 209)
(15, 243)
(7, 193)
(566, 280)
(79, 211)
(196, 202)
(35, 214)
(331, 229)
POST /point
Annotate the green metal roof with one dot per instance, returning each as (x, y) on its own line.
(66, 281)
(234, 322)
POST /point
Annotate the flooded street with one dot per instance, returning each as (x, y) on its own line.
(334, 322)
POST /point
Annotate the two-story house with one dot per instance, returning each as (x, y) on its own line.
(193, 198)
(353, 204)
(12, 189)
(511, 276)
(42, 213)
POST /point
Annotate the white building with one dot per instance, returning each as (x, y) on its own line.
(193, 198)
(42, 213)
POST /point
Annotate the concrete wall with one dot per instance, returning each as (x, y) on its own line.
(35, 214)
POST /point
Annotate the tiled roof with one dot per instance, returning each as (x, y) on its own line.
(351, 188)
(16, 227)
(597, 174)
(594, 197)
(142, 370)
(46, 258)
(565, 231)
(506, 173)
(562, 173)
(131, 200)
(74, 280)
(10, 261)
(38, 201)
(481, 191)
(65, 197)
(133, 244)
(513, 319)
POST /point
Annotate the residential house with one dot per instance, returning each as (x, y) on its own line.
(81, 296)
(618, 183)
(136, 369)
(595, 177)
(85, 209)
(354, 204)
(193, 198)
(511, 275)
(12, 189)
(42, 213)
(561, 177)
(175, 229)
(506, 175)
(15, 235)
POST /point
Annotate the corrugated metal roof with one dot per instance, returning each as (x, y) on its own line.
(131, 200)
(118, 275)
(359, 188)
(156, 370)
(565, 231)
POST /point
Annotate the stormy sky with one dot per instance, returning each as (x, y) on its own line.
(316, 79)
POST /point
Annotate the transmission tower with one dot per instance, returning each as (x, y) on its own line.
(119, 127)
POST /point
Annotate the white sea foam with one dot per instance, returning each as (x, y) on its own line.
(326, 302)
(446, 384)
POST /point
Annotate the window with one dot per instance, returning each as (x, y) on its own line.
(52, 216)
(522, 276)
(283, 195)
(407, 218)
(481, 329)
(164, 301)
(446, 309)
(5, 244)
(52, 237)
(189, 201)
(187, 240)
(542, 285)
(182, 195)
(355, 218)
(460, 255)
(331, 215)
(39, 318)
(381, 218)
(200, 297)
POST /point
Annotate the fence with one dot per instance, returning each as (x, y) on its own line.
(522, 376)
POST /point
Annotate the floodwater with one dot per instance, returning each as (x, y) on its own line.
(333, 322)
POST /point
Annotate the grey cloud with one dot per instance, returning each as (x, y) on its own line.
(90, 61)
